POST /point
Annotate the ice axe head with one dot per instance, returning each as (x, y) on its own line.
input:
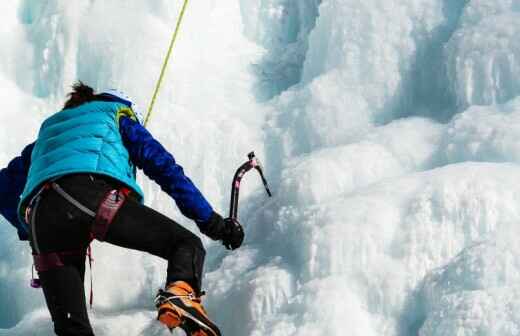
(255, 162)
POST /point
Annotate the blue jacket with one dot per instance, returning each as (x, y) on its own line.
(12, 183)
(145, 152)
(83, 139)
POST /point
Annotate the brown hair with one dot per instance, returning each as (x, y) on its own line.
(80, 94)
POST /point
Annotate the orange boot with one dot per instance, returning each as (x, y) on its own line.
(179, 306)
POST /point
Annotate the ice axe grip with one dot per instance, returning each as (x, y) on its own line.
(252, 162)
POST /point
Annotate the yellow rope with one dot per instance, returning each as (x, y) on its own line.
(165, 64)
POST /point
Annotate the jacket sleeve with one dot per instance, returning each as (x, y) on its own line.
(12, 183)
(159, 165)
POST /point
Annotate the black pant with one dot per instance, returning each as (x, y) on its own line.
(62, 227)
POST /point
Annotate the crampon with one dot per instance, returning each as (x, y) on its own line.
(178, 306)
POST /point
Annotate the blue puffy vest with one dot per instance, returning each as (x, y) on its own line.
(85, 139)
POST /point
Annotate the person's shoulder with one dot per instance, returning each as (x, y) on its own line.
(107, 108)
(104, 105)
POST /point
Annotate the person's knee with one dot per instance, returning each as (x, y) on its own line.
(192, 243)
(197, 244)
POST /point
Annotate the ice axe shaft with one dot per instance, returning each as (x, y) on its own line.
(252, 162)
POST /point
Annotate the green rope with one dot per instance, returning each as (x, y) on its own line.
(165, 64)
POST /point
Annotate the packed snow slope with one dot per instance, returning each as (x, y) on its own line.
(389, 129)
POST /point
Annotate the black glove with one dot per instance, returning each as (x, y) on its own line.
(228, 230)
(233, 235)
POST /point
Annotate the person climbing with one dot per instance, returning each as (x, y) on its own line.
(77, 182)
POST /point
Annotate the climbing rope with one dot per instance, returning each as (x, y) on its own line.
(165, 64)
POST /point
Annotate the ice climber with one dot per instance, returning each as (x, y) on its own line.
(77, 182)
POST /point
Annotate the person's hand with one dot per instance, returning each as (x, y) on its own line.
(228, 231)
(233, 234)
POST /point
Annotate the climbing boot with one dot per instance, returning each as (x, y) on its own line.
(179, 306)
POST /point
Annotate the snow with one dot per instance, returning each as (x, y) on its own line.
(483, 134)
(388, 129)
(474, 293)
(482, 58)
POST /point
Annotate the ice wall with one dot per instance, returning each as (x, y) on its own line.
(388, 128)
(376, 199)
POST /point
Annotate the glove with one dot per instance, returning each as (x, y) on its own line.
(233, 234)
(228, 230)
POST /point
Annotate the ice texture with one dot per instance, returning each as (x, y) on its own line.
(388, 129)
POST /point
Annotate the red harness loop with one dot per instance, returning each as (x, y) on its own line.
(107, 210)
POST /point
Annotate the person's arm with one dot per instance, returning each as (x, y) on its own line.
(12, 183)
(159, 165)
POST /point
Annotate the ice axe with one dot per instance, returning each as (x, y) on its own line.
(251, 163)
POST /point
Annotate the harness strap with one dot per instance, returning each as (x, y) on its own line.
(108, 209)
(32, 202)
(72, 200)
(47, 261)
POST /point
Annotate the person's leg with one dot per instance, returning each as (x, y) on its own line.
(65, 296)
(60, 227)
(141, 228)
(138, 227)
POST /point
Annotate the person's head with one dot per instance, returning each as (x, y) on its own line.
(82, 94)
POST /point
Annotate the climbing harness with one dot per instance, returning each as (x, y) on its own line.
(166, 60)
(252, 162)
(108, 208)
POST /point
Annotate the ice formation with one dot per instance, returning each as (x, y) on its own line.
(388, 129)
